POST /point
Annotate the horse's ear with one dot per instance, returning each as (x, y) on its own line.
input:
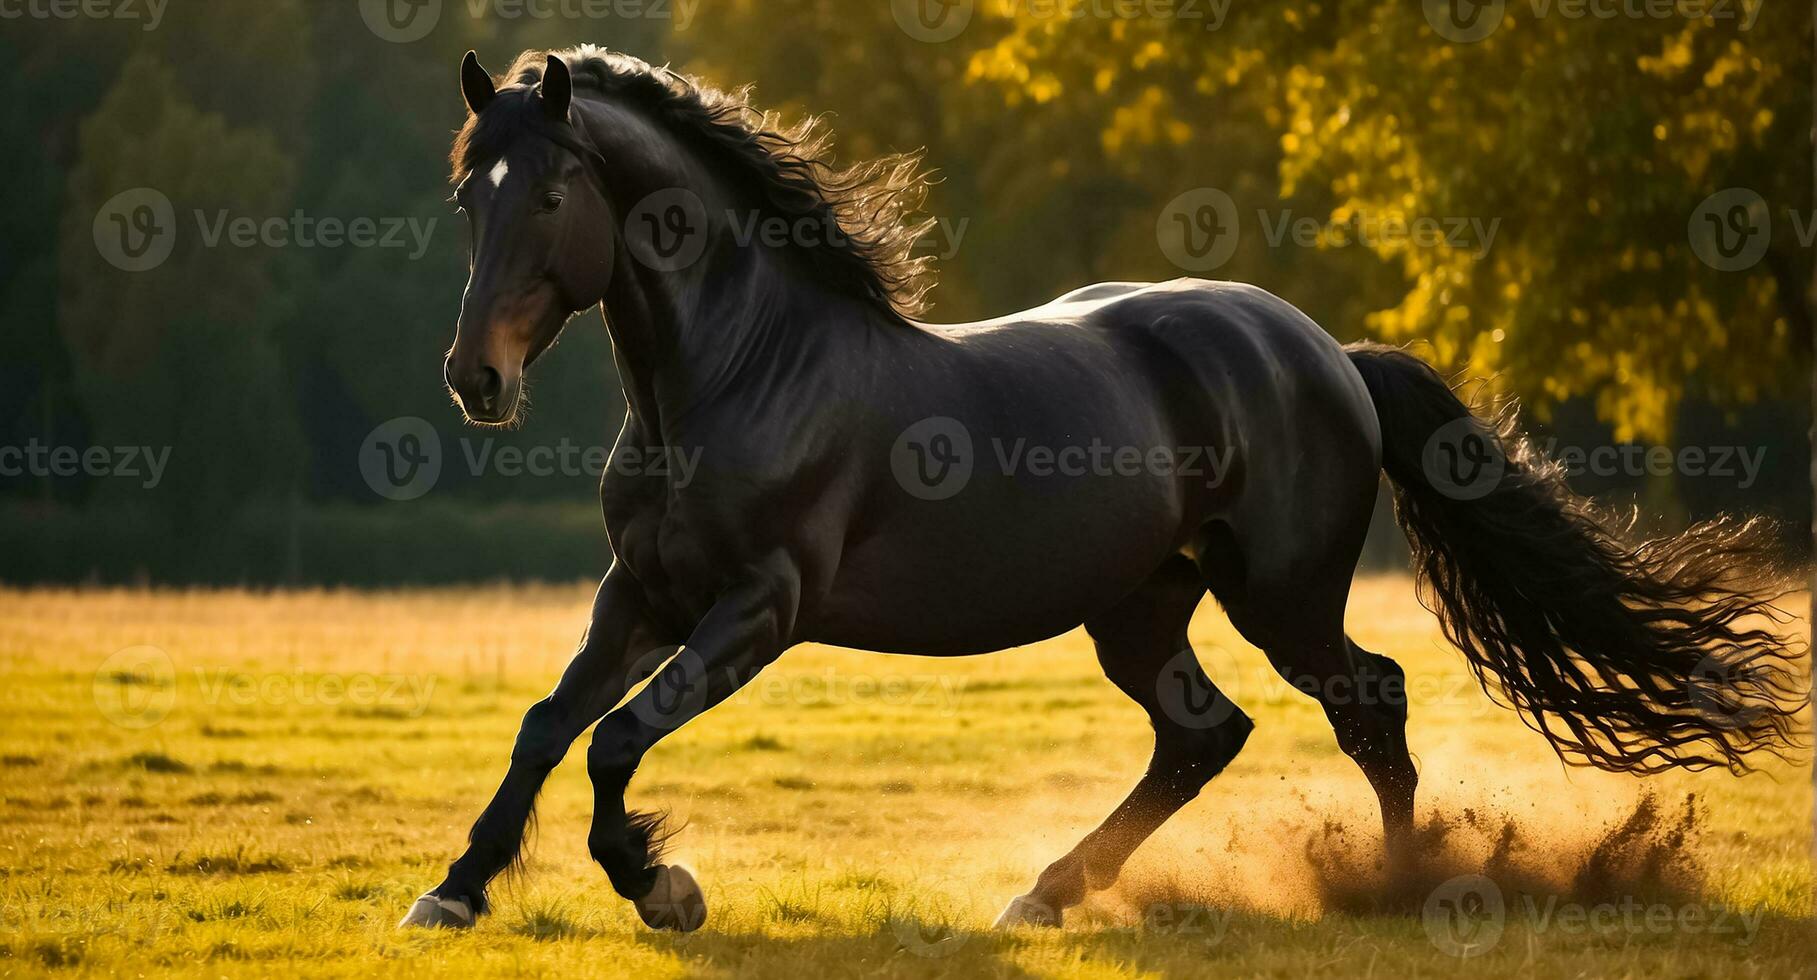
(558, 89)
(476, 85)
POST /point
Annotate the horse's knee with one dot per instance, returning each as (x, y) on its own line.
(1371, 725)
(539, 742)
(1382, 684)
(1210, 748)
(614, 753)
(1188, 758)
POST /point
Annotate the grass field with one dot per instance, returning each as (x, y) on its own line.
(234, 784)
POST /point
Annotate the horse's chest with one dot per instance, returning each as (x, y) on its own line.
(650, 531)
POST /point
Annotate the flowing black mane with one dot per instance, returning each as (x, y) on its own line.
(788, 169)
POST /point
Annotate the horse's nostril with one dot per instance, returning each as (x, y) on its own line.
(490, 384)
(448, 371)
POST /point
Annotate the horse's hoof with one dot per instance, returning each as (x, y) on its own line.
(675, 902)
(434, 912)
(1025, 911)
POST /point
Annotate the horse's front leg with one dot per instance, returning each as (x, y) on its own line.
(619, 633)
(745, 631)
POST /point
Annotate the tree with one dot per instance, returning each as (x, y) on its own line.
(1594, 140)
(182, 355)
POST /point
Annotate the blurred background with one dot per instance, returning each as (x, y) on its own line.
(1609, 217)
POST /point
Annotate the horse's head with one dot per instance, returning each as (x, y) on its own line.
(534, 214)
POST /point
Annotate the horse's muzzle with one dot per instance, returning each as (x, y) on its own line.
(485, 394)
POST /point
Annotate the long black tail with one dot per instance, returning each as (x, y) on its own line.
(1632, 657)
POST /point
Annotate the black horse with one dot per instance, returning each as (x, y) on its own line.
(867, 480)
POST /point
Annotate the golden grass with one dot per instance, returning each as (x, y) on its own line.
(317, 757)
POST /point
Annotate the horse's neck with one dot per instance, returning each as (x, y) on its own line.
(680, 340)
(717, 328)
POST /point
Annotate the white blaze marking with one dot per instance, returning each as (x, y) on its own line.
(499, 170)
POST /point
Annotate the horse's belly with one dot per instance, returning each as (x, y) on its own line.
(950, 578)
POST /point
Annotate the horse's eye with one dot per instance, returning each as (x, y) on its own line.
(550, 203)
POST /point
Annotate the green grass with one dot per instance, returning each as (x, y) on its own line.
(242, 784)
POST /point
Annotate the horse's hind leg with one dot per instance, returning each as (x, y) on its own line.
(1299, 624)
(1143, 648)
